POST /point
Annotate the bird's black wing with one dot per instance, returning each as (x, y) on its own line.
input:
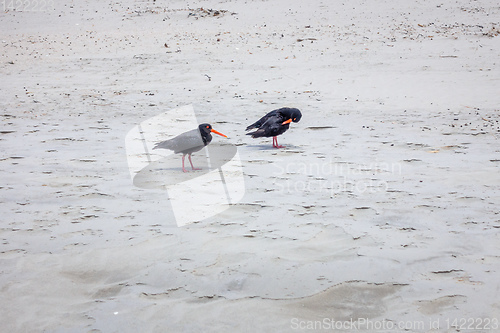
(185, 143)
(271, 127)
(262, 120)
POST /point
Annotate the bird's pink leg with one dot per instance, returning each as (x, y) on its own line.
(183, 169)
(275, 143)
(189, 156)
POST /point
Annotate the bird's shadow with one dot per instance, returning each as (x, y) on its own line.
(271, 148)
(168, 170)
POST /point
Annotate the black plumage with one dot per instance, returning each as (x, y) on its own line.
(189, 142)
(275, 123)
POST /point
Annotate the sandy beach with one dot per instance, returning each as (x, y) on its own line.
(380, 215)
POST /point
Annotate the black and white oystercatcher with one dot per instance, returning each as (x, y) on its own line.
(189, 142)
(275, 123)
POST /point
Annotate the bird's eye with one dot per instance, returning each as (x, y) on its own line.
(208, 126)
(294, 119)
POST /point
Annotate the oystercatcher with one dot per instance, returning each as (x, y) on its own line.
(189, 142)
(275, 123)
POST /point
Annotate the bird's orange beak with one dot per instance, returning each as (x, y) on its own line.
(214, 131)
(287, 121)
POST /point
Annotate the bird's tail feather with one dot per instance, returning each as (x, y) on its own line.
(257, 133)
(254, 125)
(163, 145)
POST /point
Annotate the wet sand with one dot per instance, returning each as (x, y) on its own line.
(382, 210)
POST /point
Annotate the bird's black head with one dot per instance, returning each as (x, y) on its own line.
(292, 114)
(296, 115)
(205, 128)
